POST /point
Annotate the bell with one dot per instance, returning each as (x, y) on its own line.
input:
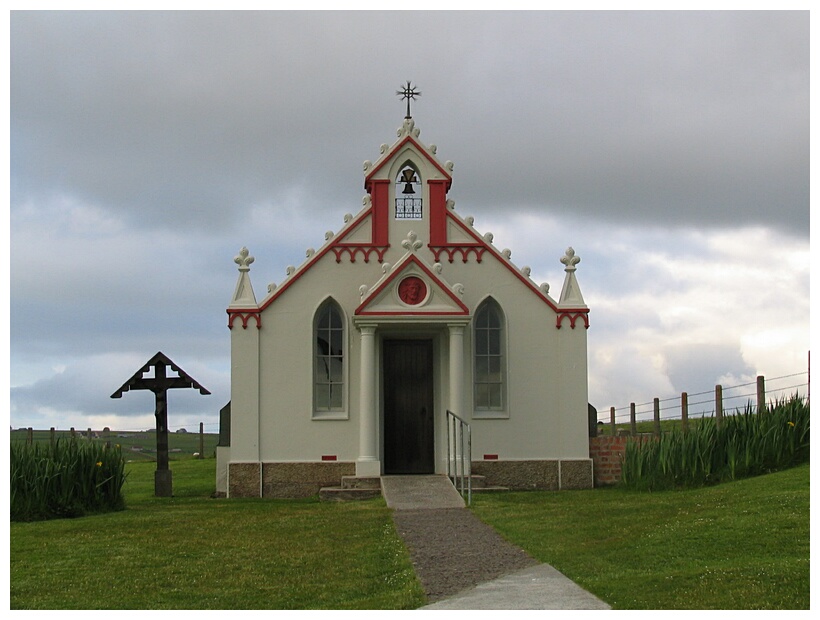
(409, 177)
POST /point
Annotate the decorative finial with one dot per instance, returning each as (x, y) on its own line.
(244, 260)
(408, 92)
(570, 260)
(412, 242)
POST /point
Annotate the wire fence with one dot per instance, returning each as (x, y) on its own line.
(716, 402)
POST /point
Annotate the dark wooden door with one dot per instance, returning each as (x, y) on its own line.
(408, 407)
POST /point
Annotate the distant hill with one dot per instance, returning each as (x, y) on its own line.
(136, 445)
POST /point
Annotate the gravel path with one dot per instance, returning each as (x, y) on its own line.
(452, 550)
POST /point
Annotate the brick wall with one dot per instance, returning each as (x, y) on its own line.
(605, 452)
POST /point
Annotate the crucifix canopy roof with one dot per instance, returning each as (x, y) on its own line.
(159, 382)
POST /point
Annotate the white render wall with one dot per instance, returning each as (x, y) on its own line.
(272, 367)
(546, 397)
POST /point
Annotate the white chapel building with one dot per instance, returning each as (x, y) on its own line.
(348, 366)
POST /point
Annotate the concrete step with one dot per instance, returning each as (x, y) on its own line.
(339, 494)
(353, 482)
(479, 485)
(479, 482)
(420, 492)
(490, 489)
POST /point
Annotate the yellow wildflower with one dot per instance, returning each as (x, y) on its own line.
(791, 423)
(99, 463)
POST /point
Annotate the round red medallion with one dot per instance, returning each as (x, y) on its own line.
(412, 291)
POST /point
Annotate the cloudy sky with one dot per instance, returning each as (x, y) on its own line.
(671, 150)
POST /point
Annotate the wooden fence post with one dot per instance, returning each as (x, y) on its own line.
(633, 425)
(657, 407)
(201, 440)
(761, 394)
(612, 420)
(718, 404)
(30, 436)
(684, 411)
(53, 437)
(88, 434)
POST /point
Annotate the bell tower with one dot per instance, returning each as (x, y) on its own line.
(408, 186)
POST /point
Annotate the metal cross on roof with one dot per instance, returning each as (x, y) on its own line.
(408, 92)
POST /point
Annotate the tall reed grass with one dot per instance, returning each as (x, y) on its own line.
(742, 445)
(67, 479)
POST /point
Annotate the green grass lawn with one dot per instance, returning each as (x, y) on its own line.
(739, 545)
(194, 552)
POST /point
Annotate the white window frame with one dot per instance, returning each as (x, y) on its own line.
(482, 357)
(339, 412)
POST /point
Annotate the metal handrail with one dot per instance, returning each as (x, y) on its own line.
(459, 460)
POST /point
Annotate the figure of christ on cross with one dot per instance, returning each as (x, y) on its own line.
(159, 384)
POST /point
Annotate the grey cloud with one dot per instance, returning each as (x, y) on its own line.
(87, 384)
(699, 366)
(188, 118)
(148, 147)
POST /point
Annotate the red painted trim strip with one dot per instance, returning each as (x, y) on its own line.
(438, 212)
(354, 248)
(490, 457)
(328, 457)
(398, 313)
(573, 317)
(379, 190)
(464, 249)
(245, 315)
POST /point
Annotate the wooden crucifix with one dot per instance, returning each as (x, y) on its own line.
(159, 384)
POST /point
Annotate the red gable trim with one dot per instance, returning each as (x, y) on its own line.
(338, 246)
(480, 241)
(394, 274)
(245, 315)
(421, 150)
(338, 242)
(573, 316)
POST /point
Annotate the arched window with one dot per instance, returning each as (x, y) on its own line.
(490, 363)
(408, 194)
(328, 360)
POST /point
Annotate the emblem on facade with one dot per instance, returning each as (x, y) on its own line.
(412, 291)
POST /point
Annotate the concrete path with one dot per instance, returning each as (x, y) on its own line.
(534, 587)
(420, 493)
(538, 587)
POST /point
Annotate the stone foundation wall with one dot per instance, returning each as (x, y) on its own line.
(292, 480)
(243, 479)
(546, 475)
(576, 474)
